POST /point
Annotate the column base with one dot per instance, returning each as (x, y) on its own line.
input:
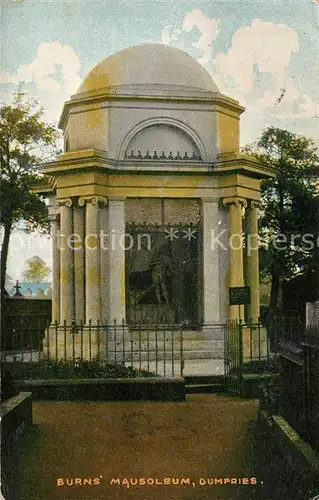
(74, 343)
(255, 343)
(213, 331)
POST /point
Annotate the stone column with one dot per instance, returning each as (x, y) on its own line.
(105, 249)
(211, 292)
(66, 262)
(252, 260)
(236, 271)
(78, 245)
(92, 260)
(55, 232)
(117, 260)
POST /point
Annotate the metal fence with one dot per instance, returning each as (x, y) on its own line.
(311, 387)
(285, 330)
(165, 349)
(299, 396)
(157, 349)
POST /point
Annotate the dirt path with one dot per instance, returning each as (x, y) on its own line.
(208, 436)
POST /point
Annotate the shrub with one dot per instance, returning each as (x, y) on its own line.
(271, 394)
(7, 384)
(69, 370)
(270, 365)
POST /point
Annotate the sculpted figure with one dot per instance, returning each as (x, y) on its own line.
(161, 266)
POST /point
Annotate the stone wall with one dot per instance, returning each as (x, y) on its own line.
(312, 314)
(162, 211)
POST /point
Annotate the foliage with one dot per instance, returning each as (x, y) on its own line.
(270, 365)
(271, 394)
(25, 142)
(289, 205)
(9, 283)
(74, 370)
(37, 270)
(7, 384)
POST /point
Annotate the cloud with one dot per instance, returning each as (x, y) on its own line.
(264, 46)
(208, 28)
(51, 77)
(54, 69)
(255, 70)
(302, 108)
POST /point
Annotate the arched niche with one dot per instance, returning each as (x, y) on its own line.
(164, 140)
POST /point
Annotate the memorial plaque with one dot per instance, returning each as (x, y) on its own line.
(239, 295)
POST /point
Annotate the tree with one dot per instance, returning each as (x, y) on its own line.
(288, 223)
(37, 270)
(8, 282)
(25, 142)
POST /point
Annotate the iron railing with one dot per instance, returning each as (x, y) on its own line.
(311, 389)
(155, 348)
(165, 349)
(299, 397)
(285, 331)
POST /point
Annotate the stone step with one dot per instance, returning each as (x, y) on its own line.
(203, 379)
(191, 368)
(215, 334)
(186, 345)
(152, 355)
(210, 367)
(204, 388)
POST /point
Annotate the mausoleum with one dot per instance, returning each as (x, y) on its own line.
(151, 200)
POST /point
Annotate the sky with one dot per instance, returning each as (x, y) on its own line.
(262, 53)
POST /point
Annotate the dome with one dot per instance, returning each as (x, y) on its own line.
(149, 65)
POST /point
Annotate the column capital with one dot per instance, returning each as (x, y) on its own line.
(254, 204)
(65, 202)
(234, 200)
(94, 200)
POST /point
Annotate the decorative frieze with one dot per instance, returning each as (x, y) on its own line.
(162, 156)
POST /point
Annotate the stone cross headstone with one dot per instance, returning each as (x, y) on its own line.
(17, 287)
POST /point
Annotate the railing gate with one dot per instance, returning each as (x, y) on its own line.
(233, 356)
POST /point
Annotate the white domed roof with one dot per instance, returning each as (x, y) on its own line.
(149, 64)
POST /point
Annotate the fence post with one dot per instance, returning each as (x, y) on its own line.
(81, 341)
(164, 351)
(148, 349)
(240, 342)
(123, 341)
(73, 340)
(140, 347)
(115, 331)
(64, 331)
(181, 349)
(173, 360)
(226, 339)
(132, 351)
(56, 340)
(156, 350)
(306, 386)
(251, 339)
(98, 340)
(90, 339)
